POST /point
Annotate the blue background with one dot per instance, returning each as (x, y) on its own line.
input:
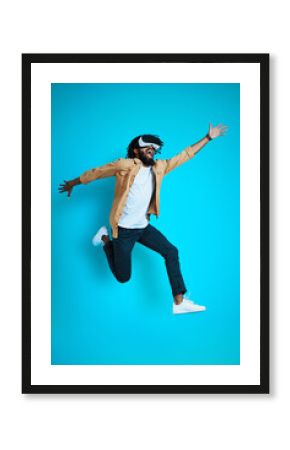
(95, 319)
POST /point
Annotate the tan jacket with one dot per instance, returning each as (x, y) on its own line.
(125, 171)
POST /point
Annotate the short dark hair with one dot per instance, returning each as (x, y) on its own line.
(147, 138)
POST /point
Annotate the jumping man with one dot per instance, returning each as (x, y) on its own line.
(137, 194)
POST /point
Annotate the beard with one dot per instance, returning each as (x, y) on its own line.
(147, 161)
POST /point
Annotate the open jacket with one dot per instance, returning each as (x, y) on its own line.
(125, 171)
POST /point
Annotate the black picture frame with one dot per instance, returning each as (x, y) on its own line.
(263, 61)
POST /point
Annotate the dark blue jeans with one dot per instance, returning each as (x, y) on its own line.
(118, 252)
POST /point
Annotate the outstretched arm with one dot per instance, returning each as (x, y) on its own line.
(191, 150)
(108, 170)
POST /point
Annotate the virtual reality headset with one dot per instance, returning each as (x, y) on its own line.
(143, 144)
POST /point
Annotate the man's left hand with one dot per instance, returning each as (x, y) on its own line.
(217, 131)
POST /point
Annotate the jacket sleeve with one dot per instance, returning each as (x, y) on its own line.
(107, 170)
(179, 159)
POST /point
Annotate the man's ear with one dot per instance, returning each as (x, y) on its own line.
(135, 151)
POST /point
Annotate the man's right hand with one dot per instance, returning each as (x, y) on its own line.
(67, 186)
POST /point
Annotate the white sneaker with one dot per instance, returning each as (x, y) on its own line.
(97, 239)
(187, 306)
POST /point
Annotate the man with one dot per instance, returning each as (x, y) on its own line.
(137, 194)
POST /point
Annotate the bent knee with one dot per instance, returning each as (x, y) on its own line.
(123, 278)
(171, 252)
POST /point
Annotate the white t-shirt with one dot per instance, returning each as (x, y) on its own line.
(138, 201)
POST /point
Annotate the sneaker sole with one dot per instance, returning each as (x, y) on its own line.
(188, 312)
